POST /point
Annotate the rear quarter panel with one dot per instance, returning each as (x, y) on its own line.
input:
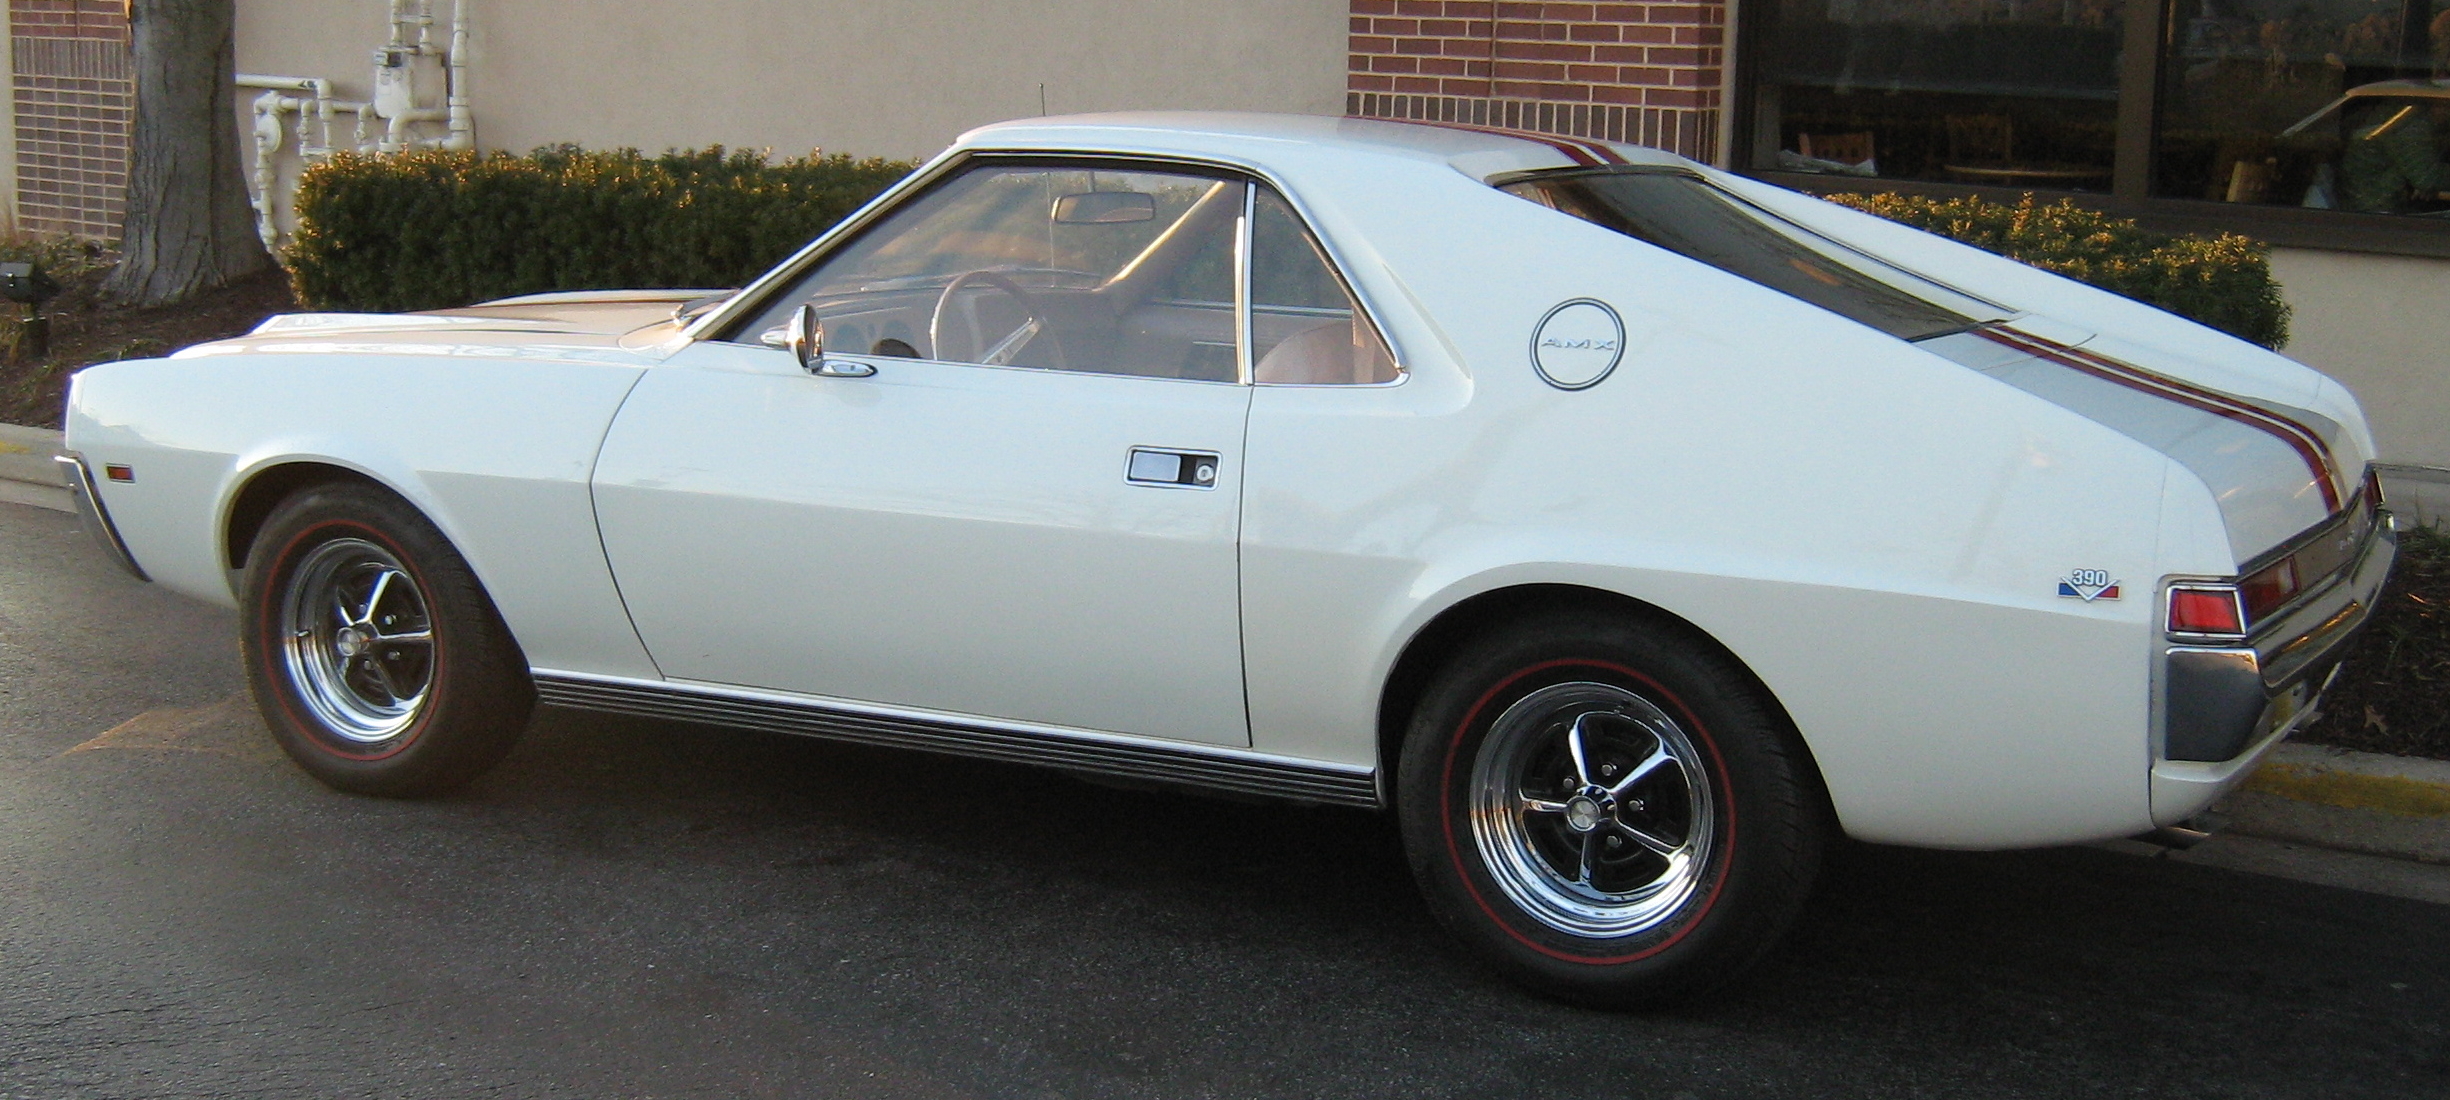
(1875, 532)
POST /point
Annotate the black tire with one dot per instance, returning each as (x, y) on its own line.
(1579, 892)
(342, 580)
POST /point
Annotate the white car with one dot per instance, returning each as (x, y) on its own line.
(1627, 528)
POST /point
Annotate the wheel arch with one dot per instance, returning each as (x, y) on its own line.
(1448, 630)
(263, 489)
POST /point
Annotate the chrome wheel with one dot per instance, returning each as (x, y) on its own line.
(358, 641)
(1592, 810)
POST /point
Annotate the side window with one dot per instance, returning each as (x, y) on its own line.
(1305, 327)
(1063, 268)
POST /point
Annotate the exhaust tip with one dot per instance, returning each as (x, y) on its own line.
(2183, 835)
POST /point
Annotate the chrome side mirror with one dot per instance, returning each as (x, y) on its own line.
(804, 336)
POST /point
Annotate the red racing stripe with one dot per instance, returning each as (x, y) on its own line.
(2309, 445)
(1584, 153)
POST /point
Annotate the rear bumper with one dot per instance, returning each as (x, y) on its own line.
(97, 518)
(2218, 709)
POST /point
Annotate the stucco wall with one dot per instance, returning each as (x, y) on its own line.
(2381, 325)
(855, 76)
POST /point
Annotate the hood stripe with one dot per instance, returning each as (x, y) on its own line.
(2308, 444)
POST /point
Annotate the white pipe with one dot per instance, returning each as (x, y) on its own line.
(462, 122)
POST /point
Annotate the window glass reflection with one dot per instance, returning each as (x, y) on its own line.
(2326, 104)
(2007, 92)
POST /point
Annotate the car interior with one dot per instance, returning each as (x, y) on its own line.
(1093, 270)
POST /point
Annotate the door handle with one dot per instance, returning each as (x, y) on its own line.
(840, 368)
(1169, 469)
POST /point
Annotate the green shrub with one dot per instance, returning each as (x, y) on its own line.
(427, 230)
(2223, 281)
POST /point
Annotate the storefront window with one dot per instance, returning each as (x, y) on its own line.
(2324, 104)
(2020, 93)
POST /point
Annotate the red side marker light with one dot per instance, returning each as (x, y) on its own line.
(117, 472)
(2205, 611)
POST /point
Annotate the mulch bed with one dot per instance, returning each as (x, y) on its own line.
(84, 331)
(2393, 695)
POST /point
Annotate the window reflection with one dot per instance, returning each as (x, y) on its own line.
(2007, 92)
(2326, 104)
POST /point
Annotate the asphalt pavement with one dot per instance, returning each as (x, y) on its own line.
(640, 909)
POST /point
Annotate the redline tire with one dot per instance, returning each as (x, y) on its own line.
(1607, 810)
(376, 659)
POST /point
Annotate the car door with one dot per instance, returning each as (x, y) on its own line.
(1013, 493)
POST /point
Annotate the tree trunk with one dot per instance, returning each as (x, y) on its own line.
(189, 226)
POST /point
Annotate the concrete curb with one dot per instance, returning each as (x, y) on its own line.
(27, 474)
(2355, 801)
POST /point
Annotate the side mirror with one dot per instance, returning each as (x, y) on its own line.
(804, 336)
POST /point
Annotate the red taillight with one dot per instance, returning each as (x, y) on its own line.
(2266, 591)
(2205, 611)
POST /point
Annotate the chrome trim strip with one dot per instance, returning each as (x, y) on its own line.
(95, 518)
(2299, 637)
(1216, 767)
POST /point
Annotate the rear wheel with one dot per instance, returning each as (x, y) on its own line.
(377, 660)
(1607, 809)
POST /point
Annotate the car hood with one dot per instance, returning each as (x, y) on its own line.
(598, 317)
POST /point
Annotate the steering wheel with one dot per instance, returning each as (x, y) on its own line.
(1002, 351)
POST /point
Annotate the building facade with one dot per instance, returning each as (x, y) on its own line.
(2182, 113)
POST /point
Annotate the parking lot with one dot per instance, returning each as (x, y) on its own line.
(643, 909)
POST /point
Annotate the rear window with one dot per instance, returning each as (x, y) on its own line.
(1686, 215)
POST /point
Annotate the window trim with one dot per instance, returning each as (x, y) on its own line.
(720, 324)
(2139, 93)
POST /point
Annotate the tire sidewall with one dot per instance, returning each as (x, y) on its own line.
(1736, 908)
(468, 699)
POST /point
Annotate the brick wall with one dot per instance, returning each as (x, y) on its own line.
(1648, 74)
(73, 95)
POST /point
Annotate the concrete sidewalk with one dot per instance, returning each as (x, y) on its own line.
(27, 474)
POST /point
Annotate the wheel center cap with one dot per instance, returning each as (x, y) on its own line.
(350, 641)
(1582, 814)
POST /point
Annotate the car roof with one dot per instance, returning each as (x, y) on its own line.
(2381, 89)
(1479, 151)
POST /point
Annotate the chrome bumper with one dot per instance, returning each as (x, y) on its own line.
(97, 518)
(2219, 701)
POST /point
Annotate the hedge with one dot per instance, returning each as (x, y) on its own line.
(433, 229)
(2223, 281)
(427, 230)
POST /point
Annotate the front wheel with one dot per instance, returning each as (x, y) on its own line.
(1607, 809)
(378, 662)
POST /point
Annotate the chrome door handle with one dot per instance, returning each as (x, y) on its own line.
(840, 368)
(1168, 469)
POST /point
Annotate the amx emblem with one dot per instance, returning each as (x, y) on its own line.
(2089, 585)
(1577, 344)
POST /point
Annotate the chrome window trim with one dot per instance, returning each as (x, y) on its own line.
(752, 297)
(1215, 767)
(1246, 333)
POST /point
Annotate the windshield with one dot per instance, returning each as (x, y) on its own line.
(1686, 215)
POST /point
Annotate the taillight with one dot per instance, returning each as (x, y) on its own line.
(2206, 609)
(2271, 588)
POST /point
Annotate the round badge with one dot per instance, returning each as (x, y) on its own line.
(1577, 344)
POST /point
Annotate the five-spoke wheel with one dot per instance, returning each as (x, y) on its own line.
(1592, 809)
(361, 643)
(378, 662)
(1607, 807)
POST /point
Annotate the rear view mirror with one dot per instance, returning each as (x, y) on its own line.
(1105, 208)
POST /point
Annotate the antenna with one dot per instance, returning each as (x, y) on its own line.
(1042, 99)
